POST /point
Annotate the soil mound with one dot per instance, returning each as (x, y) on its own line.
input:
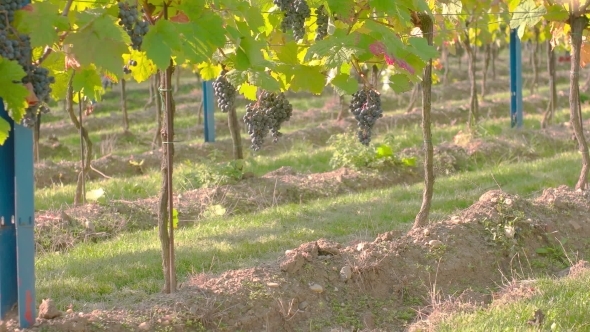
(378, 285)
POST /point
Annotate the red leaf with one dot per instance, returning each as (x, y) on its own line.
(180, 17)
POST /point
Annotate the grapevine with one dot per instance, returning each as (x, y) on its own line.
(266, 115)
(295, 14)
(322, 23)
(225, 93)
(366, 108)
(135, 28)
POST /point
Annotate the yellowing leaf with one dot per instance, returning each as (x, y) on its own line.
(209, 71)
(585, 54)
(249, 91)
(95, 195)
(88, 82)
(174, 218)
(4, 130)
(145, 67)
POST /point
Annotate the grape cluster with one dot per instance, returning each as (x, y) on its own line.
(225, 93)
(7, 9)
(18, 48)
(41, 81)
(135, 28)
(295, 14)
(266, 115)
(365, 105)
(127, 67)
(322, 23)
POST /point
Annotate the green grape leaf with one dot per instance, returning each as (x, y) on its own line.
(193, 9)
(341, 8)
(201, 37)
(236, 77)
(43, 21)
(344, 84)
(288, 53)
(308, 78)
(557, 13)
(527, 14)
(252, 50)
(14, 94)
(98, 41)
(60, 87)
(4, 130)
(400, 83)
(88, 82)
(264, 81)
(320, 49)
(339, 55)
(160, 42)
(422, 49)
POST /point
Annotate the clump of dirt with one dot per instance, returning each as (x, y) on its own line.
(381, 284)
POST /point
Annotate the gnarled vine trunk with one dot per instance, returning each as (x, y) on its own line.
(473, 104)
(495, 51)
(422, 216)
(578, 24)
(85, 144)
(535, 61)
(445, 61)
(124, 106)
(234, 129)
(157, 141)
(550, 112)
(486, 65)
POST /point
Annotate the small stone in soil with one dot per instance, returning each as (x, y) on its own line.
(144, 326)
(48, 310)
(316, 288)
(345, 273)
(435, 244)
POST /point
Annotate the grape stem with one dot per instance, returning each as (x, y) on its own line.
(357, 67)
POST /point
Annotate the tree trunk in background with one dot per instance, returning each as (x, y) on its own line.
(343, 108)
(422, 216)
(535, 57)
(494, 57)
(473, 104)
(486, 64)
(413, 98)
(445, 61)
(177, 76)
(153, 88)
(551, 107)
(578, 24)
(234, 129)
(124, 106)
(157, 141)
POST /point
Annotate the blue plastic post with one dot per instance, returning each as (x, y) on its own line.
(208, 110)
(25, 223)
(515, 81)
(8, 279)
(17, 220)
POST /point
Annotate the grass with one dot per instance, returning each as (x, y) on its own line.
(564, 303)
(128, 266)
